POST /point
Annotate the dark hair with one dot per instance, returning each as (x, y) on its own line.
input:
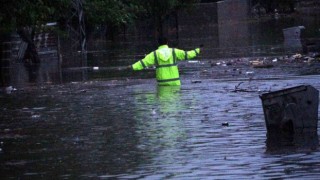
(162, 41)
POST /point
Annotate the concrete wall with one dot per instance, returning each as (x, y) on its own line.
(201, 18)
(233, 28)
(220, 26)
(199, 25)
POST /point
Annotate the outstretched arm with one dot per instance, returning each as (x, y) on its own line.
(144, 63)
(186, 55)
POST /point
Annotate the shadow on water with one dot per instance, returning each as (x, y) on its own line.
(290, 142)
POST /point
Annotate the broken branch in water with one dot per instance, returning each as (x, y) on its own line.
(237, 89)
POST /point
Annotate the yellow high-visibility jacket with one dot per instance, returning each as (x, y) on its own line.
(165, 60)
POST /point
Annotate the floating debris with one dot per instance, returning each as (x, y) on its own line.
(263, 65)
(9, 89)
(225, 124)
(38, 108)
(196, 81)
(35, 116)
(256, 62)
(249, 73)
(297, 56)
(260, 64)
(153, 112)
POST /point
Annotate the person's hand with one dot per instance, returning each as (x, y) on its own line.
(125, 68)
(128, 67)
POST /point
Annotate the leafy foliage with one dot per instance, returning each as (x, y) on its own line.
(280, 5)
(21, 13)
(115, 12)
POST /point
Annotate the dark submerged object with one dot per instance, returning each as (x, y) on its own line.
(291, 116)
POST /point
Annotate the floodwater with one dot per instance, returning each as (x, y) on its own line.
(102, 123)
(133, 129)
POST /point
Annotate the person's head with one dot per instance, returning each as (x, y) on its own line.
(162, 41)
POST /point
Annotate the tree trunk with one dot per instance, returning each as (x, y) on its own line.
(177, 24)
(159, 26)
(31, 58)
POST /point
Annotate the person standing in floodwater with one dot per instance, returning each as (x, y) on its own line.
(165, 60)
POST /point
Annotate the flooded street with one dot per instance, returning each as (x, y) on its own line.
(133, 129)
(77, 117)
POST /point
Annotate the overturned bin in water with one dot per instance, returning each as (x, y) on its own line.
(291, 111)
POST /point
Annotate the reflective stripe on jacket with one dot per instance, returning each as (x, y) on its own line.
(165, 60)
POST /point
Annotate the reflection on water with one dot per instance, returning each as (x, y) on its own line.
(138, 130)
(284, 142)
(160, 123)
